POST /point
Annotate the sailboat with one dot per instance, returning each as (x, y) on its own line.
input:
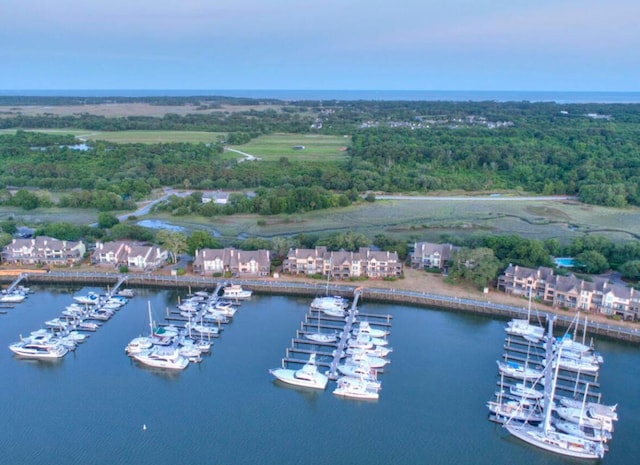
(141, 343)
(321, 337)
(524, 328)
(545, 436)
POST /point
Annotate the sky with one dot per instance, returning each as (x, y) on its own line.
(543, 45)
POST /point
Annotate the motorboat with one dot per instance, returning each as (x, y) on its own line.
(365, 328)
(356, 388)
(360, 357)
(191, 352)
(126, 293)
(202, 329)
(584, 417)
(360, 370)
(224, 306)
(87, 326)
(585, 432)
(307, 376)
(596, 409)
(12, 298)
(364, 341)
(77, 336)
(138, 344)
(57, 323)
(164, 335)
(162, 357)
(40, 351)
(236, 292)
(91, 298)
(376, 351)
(215, 316)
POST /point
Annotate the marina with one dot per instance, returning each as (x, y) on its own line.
(556, 372)
(355, 372)
(431, 408)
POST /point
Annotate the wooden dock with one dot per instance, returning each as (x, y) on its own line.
(16, 282)
(344, 336)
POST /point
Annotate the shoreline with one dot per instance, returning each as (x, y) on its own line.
(383, 291)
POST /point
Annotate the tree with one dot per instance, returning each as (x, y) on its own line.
(631, 270)
(107, 220)
(592, 262)
(478, 266)
(5, 239)
(174, 242)
(26, 200)
(201, 240)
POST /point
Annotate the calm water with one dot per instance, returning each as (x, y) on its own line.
(90, 407)
(336, 94)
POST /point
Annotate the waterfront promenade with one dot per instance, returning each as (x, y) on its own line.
(614, 330)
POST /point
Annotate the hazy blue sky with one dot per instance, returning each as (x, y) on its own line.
(576, 45)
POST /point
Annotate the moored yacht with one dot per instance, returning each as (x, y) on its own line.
(162, 357)
(365, 328)
(307, 376)
(235, 292)
(356, 388)
(41, 351)
(138, 344)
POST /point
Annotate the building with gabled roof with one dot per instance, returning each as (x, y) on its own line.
(132, 255)
(599, 295)
(429, 255)
(343, 264)
(44, 250)
(233, 261)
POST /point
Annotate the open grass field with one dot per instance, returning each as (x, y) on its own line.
(136, 137)
(115, 110)
(316, 147)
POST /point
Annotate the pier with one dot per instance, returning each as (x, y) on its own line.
(16, 282)
(114, 290)
(344, 336)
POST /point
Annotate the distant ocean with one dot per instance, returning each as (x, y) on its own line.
(412, 95)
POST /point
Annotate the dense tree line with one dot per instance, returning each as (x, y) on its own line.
(588, 150)
(592, 255)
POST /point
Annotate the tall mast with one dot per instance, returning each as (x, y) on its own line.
(549, 379)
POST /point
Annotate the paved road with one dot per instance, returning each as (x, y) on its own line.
(247, 156)
(475, 198)
(144, 207)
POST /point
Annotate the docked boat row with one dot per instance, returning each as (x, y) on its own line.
(14, 296)
(195, 321)
(548, 391)
(62, 334)
(337, 337)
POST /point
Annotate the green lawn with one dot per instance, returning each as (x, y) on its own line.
(316, 147)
